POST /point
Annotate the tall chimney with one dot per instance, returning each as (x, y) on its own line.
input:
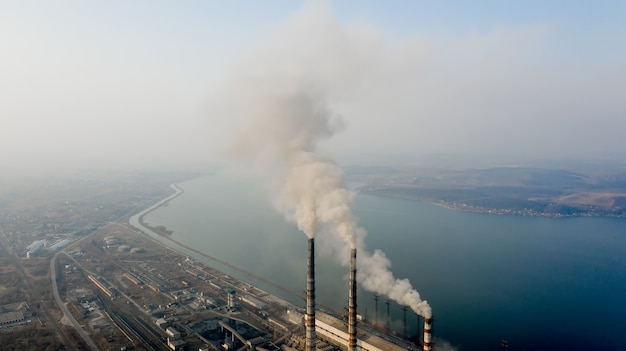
(428, 324)
(352, 303)
(309, 319)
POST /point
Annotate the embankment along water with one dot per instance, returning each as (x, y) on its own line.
(540, 283)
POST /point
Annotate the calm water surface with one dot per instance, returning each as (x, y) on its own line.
(540, 283)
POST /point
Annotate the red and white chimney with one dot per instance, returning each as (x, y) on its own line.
(352, 303)
(428, 325)
(309, 318)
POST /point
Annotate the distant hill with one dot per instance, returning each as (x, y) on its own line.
(504, 190)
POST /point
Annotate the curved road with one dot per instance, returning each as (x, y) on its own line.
(53, 274)
(79, 329)
(135, 219)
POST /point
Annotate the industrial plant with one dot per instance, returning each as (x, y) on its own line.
(121, 287)
(348, 335)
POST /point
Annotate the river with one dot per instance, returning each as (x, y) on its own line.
(539, 283)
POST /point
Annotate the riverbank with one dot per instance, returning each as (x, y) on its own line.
(464, 207)
(516, 272)
(162, 237)
(138, 218)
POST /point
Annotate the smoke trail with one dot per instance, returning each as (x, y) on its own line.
(375, 276)
(282, 99)
(281, 136)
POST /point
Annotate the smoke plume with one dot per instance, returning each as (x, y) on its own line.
(281, 99)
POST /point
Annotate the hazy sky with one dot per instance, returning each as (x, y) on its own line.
(148, 83)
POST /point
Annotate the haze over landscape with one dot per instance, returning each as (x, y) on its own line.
(174, 154)
(141, 84)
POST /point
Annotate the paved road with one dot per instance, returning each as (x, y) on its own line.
(55, 290)
(83, 334)
(135, 220)
(29, 284)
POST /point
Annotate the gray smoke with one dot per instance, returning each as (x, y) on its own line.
(280, 97)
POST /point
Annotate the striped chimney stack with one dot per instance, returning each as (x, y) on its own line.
(309, 318)
(428, 325)
(352, 303)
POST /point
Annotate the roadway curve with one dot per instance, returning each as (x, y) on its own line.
(135, 220)
(53, 273)
(79, 329)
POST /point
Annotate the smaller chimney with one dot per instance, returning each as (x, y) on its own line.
(388, 316)
(375, 310)
(418, 327)
(428, 325)
(405, 334)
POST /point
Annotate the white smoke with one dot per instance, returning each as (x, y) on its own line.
(280, 96)
(443, 345)
(374, 275)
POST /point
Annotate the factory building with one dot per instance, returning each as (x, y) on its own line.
(59, 245)
(253, 301)
(102, 285)
(172, 333)
(319, 324)
(137, 250)
(34, 248)
(11, 318)
(161, 322)
(154, 287)
(295, 317)
(175, 344)
(132, 278)
(336, 331)
(111, 240)
(278, 323)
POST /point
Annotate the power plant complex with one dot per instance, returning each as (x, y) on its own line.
(222, 311)
(335, 331)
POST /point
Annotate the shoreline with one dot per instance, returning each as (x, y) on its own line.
(139, 216)
(136, 221)
(492, 211)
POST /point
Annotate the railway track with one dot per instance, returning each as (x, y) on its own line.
(136, 329)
